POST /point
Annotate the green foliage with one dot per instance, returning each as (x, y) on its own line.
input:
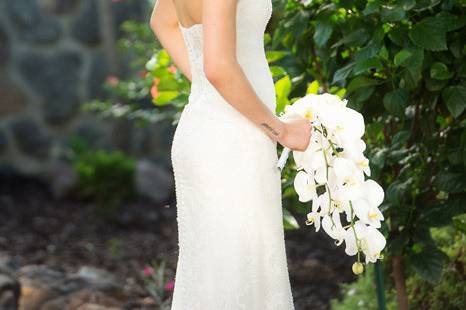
(448, 293)
(154, 91)
(157, 284)
(105, 177)
(402, 65)
(360, 294)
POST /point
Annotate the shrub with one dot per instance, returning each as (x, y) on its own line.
(106, 177)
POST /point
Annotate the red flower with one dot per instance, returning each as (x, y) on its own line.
(170, 285)
(112, 80)
(148, 271)
(172, 69)
(154, 91)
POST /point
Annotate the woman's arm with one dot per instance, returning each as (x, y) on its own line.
(164, 24)
(224, 72)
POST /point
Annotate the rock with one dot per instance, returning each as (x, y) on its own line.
(98, 74)
(9, 286)
(86, 27)
(55, 79)
(62, 178)
(12, 99)
(127, 10)
(84, 300)
(30, 137)
(48, 289)
(31, 23)
(4, 46)
(101, 280)
(38, 285)
(8, 265)
(95, 307)
(140, 213)
(153, 181)
(9, 292)
(3, 141)
(59, 6)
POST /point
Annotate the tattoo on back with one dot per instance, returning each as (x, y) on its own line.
(269, 128)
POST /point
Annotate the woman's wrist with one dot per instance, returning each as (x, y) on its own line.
(274, 128)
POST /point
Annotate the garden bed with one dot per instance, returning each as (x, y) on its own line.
(64, 235)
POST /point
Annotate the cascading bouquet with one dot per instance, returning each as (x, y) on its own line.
(331, 173)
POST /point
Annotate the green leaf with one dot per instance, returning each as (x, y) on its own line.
(435, 85)
(378, 159)
(383, 53)
(165, 97)
(343, 73)
(282, 89)
(313, 87)
(451, 22)
(277, 71)
(398, 35)
(371, 7)
(441, 213)
(422, 5)
(163, 58)
(392, 13)
(361, 81)
(429, 263)
(416, 59)
(289, 221)
(460, 224)
(411, 78)
(455, 99)
(273, 56)
(407, 4)
(367, 64)
(400, 138)
(397, 190)
(357, 37)
(395, 102)
(451, 182)
(430, 34)
(323, 32)
(168, 83)
(359, 96)
(439, 71)
(401, 56)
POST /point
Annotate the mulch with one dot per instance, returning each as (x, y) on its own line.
(36, 228)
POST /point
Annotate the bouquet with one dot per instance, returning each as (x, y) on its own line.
(332, 173)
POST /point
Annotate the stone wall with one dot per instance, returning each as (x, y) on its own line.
(54, 57)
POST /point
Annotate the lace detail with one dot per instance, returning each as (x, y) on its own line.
(229, 208)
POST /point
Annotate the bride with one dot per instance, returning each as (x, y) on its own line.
(228, 189)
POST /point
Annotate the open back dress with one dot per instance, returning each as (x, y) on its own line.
(228, 189)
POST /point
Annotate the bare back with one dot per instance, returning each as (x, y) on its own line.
(189, 12)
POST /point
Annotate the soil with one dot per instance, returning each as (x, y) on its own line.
(36, 228)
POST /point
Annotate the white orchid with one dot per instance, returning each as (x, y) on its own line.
(332, 226)
(366, 207)
(314, 218)
(335, 162)
(305, 186)
(370, 241)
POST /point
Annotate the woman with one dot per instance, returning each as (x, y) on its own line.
(228, 189)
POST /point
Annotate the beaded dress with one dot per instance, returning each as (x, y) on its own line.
(228, 190)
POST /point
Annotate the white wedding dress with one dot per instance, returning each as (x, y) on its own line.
(228, 189)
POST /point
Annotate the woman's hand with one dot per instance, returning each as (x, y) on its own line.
(296, 134)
